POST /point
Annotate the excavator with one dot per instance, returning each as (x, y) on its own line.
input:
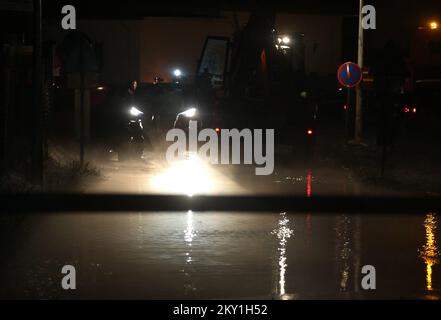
(264, 84)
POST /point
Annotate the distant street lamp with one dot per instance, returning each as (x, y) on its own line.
(177, 76)
(177, 73)
(433, 25)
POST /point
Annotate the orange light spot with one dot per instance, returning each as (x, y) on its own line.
(309, 184)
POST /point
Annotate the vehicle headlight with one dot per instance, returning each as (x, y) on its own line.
(135, 112)
(190, 113)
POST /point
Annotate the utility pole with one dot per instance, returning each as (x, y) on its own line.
(37, 133)
(358, 90)
(4, 107)
(82, 88)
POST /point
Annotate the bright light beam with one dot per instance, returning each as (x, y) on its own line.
(190, 176)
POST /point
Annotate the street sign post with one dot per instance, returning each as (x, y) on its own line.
(79, 58)
(349, 76)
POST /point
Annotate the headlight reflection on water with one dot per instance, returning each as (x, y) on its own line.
(283, 233)
(189, 233)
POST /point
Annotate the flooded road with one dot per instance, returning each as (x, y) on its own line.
(214, 255)
(222, 255)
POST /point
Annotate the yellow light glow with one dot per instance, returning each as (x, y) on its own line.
(433, 25)
(429, 276)
(189, 176)
(429, 252)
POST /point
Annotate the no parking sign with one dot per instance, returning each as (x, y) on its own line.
(349, 74)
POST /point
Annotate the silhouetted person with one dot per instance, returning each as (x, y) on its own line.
(130, 94)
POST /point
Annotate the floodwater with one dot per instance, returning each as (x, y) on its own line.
(214, 255)
(222, 255)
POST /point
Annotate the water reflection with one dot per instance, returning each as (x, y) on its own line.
(357, 251)
(348, 252)
(429, 252)
(343, 250)
(308, 215)
(309, 184)
(283, 233)
(189, 234)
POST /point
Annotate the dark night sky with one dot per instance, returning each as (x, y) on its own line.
(139, 8)
(390, 13)
(395, 18)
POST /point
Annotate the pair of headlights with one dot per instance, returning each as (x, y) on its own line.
(190, 113)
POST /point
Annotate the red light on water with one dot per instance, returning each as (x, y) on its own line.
(309, 184)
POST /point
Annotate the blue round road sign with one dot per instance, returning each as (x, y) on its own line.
(349, 74)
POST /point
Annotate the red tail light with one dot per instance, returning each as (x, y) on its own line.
(414, 110)
(309, 132)
(217, 129)
(406, 110)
